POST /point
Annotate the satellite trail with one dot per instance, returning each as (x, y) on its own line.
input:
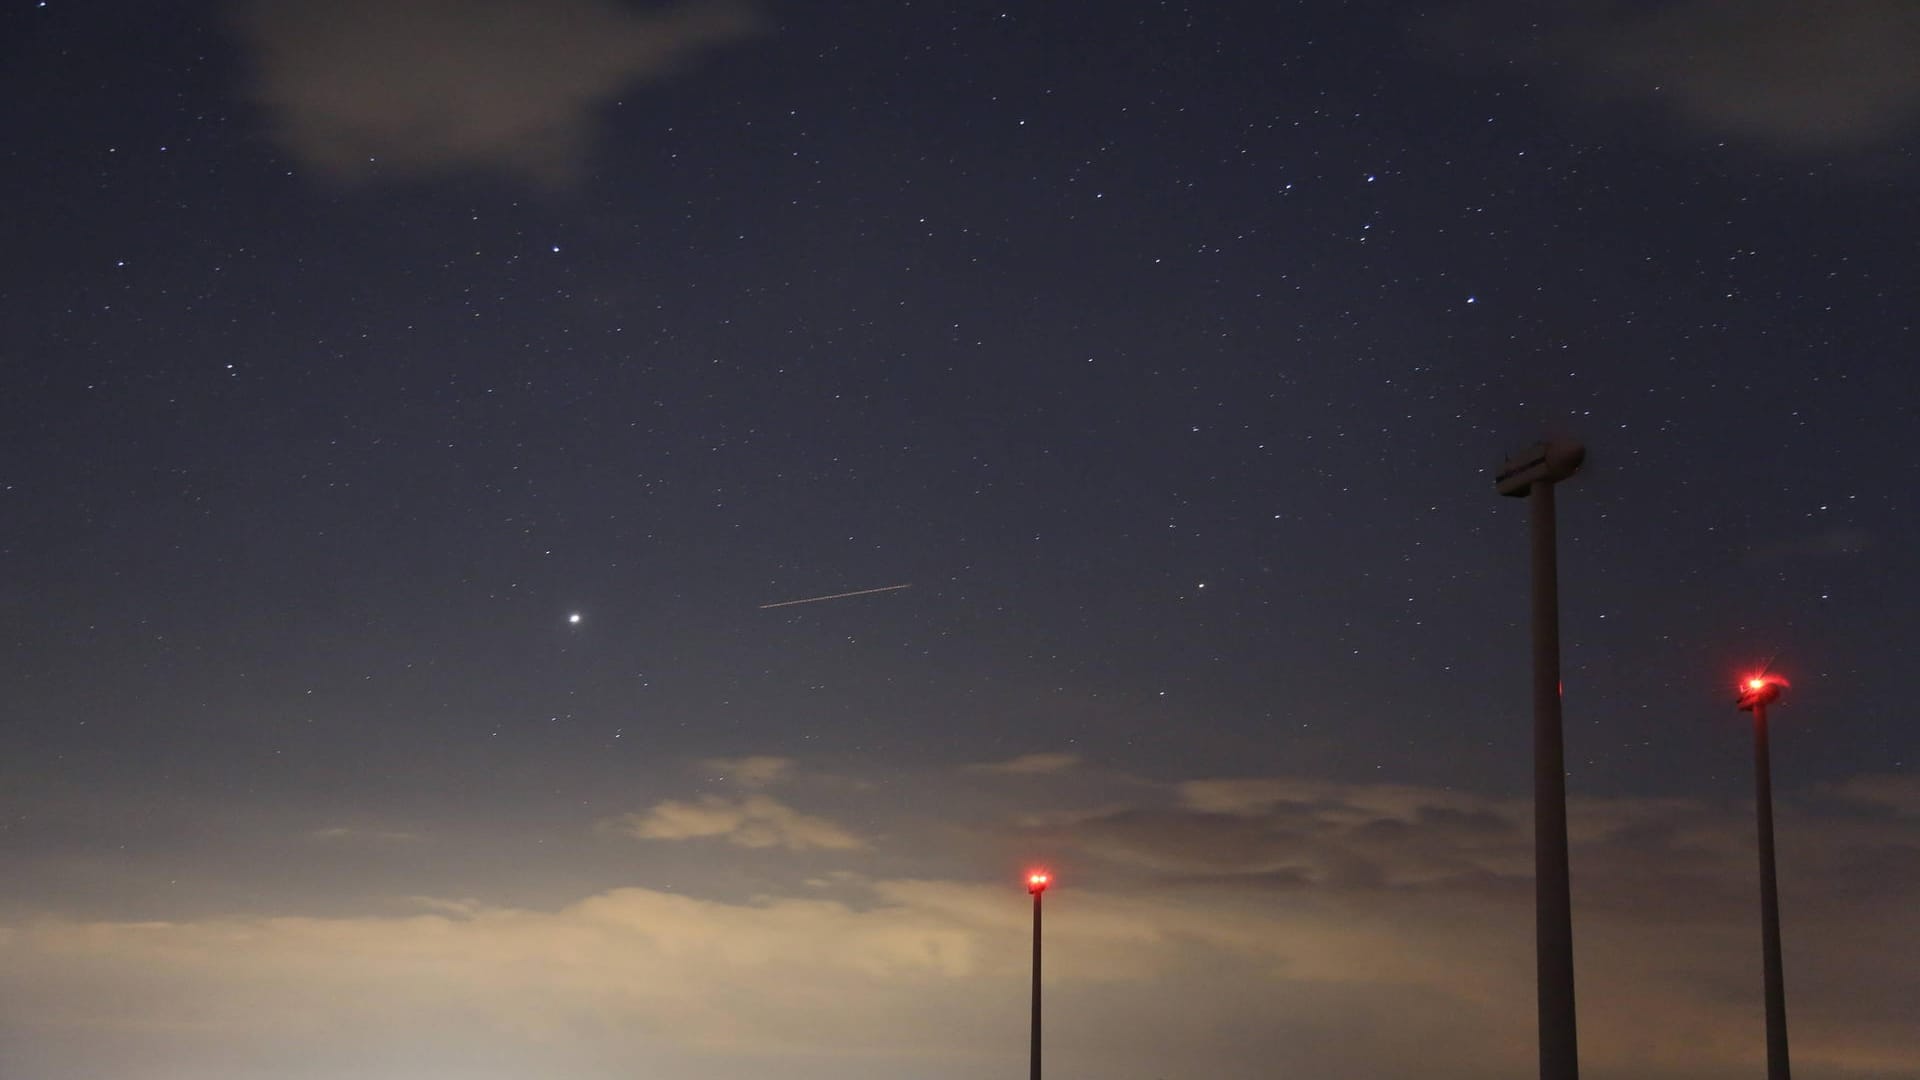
(836, 596)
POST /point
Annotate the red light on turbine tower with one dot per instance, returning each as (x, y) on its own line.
(1038, 880)
(1760, 690)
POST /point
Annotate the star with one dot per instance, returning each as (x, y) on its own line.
(574, 619)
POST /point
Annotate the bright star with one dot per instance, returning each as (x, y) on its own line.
(574, 618)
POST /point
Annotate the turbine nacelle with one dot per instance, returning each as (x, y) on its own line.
(1760, 690)
(1542, 463)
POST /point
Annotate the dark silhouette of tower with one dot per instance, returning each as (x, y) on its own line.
(1532, 475)
(1756, 693)
(1037, 882)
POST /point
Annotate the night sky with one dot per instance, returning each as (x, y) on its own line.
(409, 408)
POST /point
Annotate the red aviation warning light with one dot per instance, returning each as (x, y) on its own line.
(1037, 881)
(1759, 691)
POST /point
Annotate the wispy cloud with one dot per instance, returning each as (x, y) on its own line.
(1795, 75)
(1896, 794)
(362, 89)
(1046, 764)
(1790, 76)
(756, 821)
(754, 771)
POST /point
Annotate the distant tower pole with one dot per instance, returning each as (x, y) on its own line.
(1533, 475)
(1756, 693)
(1037, 882)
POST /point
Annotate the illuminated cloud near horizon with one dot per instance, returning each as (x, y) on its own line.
(1303, 972)
(362, 89)
(756, 821)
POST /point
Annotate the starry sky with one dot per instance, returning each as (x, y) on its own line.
(411, 408)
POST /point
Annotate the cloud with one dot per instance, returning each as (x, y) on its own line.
(924, 977)
(1399, 885)
(1220, 929)
(360, 89)
(1791, 76)
(1799, 76)
(631, 971)
(1297, 834)
(755, 771)
(1048, 764)
(1899, 795)
(756, 821)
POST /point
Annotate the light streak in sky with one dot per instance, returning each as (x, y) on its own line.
(836, 596)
